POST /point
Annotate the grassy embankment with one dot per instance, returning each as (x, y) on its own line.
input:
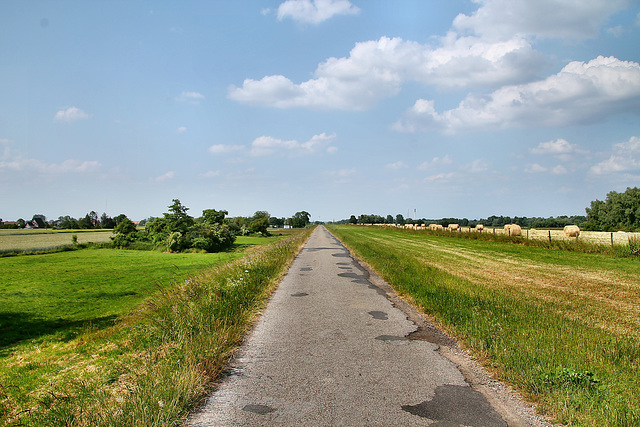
(119, 338)
(562, 327)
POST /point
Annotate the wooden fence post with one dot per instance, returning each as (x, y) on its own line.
(549, 236)
(611, 239)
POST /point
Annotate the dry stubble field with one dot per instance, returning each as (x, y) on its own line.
(23, 240)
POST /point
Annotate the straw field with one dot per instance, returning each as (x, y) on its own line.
(24, 240)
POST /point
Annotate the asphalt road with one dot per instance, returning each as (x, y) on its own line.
(336, 347)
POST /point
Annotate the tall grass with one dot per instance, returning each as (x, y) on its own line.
(574, 368)
(156, 363)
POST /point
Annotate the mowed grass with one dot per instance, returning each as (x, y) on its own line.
(64, 292)
(562, 327)
(112, 337)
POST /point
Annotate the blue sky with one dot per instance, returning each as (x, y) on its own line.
(336, 107)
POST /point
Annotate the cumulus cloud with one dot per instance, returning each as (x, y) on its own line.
(70, 114)
(267, 145)
(36, 166)
(210, 174)
(580, 93)
(341, 176)
(165, 177)
(15, 162)
(223, 149)
(397, 165)
(436, 162)
(315, 11)
(181, 129)
(440, 177)
(536, 168)
(500, 19)
(560, 148)
(377, 69)
(625, 157)
(190, 97)
(479, 166)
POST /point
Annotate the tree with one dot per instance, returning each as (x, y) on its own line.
(276, 222)
(260, 223)
(177, 219)
(177, 231)
(618, 211)
(106, 221)
(353, 220)
(212, 216)
(124, 233)
(399, 219)
(300, 219)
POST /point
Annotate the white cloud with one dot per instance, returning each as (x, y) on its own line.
(625, 157)
(181, 129)
(397, 165)
(479, 166)
(560, 148)
(210, 174)
(617, 31)
(436, 162)
(223, 149)
(580, 93)
(315, 11)
(267, 145)
(377, 69)
(164, 177)
(500, 19)
(15, 163)
(70, 114)
(190, 97)
(559, 170)
(341, 176)
(535, 168)
(332, 150)
(39, 167)
(441, 177)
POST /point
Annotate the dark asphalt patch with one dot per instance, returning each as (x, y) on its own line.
(258, 409)
(457, 405)
(356, 278)
(299, 294)
(306, 269)
(390, 338)
(379, 315)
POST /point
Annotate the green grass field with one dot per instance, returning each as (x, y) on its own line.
(562, 327)
(64, 292)
(107, 337)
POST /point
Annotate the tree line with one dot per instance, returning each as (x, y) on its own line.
(492, 221)
(176, 230)
(619, 211)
